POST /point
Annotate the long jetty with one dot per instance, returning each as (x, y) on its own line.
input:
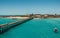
(6, 27)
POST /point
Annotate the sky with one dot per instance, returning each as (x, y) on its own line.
(21, 7)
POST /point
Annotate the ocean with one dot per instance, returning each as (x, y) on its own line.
(35, 28)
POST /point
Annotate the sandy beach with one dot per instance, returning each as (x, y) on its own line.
(19, 17)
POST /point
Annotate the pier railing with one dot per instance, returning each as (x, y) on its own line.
(5, 27)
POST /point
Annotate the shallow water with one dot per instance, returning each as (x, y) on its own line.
(36, 28)
(6, 20)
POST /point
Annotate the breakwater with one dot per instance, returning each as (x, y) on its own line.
(6, 27)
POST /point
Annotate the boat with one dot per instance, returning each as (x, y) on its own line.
(55, 30)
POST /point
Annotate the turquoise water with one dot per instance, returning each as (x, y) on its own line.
(36, 28)
(6, 20)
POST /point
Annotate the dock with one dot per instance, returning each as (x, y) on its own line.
(6, 27)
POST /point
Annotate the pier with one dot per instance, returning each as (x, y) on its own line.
(6, 27)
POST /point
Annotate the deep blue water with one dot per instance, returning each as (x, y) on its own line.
(36, 28)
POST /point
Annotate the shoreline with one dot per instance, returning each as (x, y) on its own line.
(27, 17)
(17, 17)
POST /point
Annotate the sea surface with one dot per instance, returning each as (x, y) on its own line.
(35, 28)
(6, 20)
